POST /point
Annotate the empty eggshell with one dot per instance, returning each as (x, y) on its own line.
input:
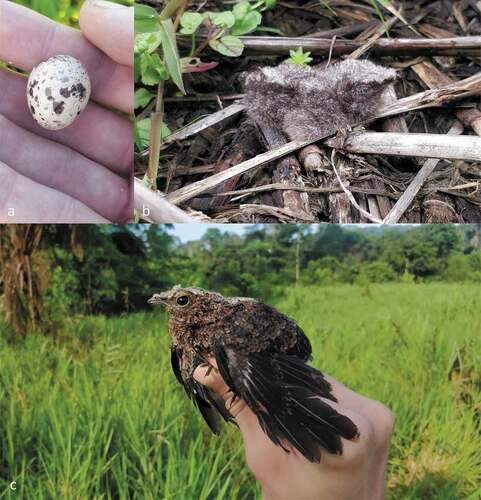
(58, 90)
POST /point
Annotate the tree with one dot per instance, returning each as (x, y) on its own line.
(22, 289)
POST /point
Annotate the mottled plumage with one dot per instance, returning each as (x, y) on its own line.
(306, 103)
(261, 354)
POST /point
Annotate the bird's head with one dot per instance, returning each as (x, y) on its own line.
(188, 304)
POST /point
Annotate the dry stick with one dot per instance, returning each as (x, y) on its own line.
(466, 147)
(378, 33)
(429, 98)
(455, 46)
(279, 212)
(396, 123)
(204, 97)
(398, 13)
(475, 4)
(466, 186)
(432, 77)
(286, 171)
(199, 187)
(208, 121)
(350, 196)
(343, 31)
(160, 210)
(408, 196)
(434, 97)
(310, 189)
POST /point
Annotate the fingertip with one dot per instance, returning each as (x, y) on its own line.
(110, 27)
(209, 376)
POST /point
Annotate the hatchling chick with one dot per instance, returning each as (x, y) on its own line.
(306, 103)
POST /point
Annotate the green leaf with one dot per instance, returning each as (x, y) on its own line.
(142, 132)
(171, 54)
(299, 57)
(241, 9)
(208, 14)
(224, 19)
(152, 69)
(142, 97)
(247, 24)
(270, 4)
(147, 42)
(228, 46)
(190, 21)
(146, 19)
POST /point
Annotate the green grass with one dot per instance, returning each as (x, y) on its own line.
(98, 414)
(62, 11)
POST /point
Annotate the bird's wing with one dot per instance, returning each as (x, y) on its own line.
(285, 394)
(206, 401)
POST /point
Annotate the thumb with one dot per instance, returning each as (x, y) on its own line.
(208, 374)
(110, 27)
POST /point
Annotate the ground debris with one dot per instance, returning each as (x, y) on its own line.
(289, 188)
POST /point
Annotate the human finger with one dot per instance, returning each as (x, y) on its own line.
(110, 27)
(27, 38)
(99, 134)
(59, 167)
(208, 374)
(41, 205)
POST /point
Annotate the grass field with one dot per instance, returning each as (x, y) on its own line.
(98, 414)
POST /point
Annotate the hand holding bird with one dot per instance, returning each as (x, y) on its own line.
(358, 473)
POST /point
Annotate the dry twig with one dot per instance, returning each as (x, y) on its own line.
(155, 208)
(466, 147)
(408, 196)
(464, 45)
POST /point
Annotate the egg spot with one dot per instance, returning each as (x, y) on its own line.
(58, 107)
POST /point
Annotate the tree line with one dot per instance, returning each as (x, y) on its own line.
(49, 273)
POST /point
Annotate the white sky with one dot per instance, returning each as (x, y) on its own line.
(189, 232)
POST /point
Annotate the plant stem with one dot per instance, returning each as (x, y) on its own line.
(155, 138)
(157, 116)
(179, 14)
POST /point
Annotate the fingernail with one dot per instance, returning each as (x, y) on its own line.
(104, 4)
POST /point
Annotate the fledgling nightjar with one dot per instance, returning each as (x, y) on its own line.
(262, 356)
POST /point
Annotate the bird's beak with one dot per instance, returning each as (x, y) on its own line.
(158, 298)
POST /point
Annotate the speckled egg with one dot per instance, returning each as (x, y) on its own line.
(58, 90)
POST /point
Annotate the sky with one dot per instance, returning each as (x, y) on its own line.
(189, 232)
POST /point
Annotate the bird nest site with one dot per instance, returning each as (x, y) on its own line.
(318, 111)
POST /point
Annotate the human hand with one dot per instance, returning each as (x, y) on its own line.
(358, 473)
(83, 172)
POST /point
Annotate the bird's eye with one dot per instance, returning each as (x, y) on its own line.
(183, 300)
